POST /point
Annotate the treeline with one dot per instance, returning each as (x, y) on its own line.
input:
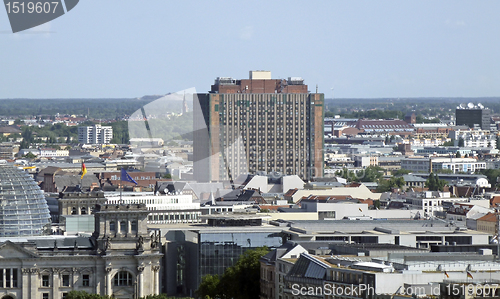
(93, 108)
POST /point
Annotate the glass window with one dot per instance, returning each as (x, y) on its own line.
(45, 295)
(65, 280)
(85, 280)
(73, 211)
(112, 226)
(123, 227)
(133, 226)
(84, 211)
(123, 278)
(45, 281)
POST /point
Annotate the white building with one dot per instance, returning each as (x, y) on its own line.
(45, 152)
(467, 165)
(177, 208)
(95, 134)
(474, 138)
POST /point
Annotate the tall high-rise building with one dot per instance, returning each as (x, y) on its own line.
(95, 134)
(258, 125)
(471, 115)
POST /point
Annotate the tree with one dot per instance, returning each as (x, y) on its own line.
(29, 155)
(461, 142)
(241, 281)
(434, 183)
(387, 185)
(457, 155)
(371, 174)
(401, 171)
(84, 295)
(209, 287)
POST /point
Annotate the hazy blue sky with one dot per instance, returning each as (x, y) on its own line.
(125, 48)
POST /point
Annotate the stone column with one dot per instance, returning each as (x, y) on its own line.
(140, 281)
(109, 289)
(25, 283)
(156, 283)
(35, 283)
(55, 283)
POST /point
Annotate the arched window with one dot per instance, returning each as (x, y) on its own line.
(112, 226)
(74, 211)
(123, 278)
(133, 226)
(84, 211)
(123, 227)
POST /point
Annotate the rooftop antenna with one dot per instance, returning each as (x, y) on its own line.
(316, 88)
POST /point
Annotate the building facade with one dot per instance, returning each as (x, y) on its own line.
(258, 124)
(471, 115)
(95, 134)
(121, 259)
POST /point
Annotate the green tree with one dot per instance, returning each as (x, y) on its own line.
(84, 295)
(461, 142)
(401, 171)
(209, 287)
(29, 155)
(387, 185)
(376, 204)
(434, 183)
(371, 174)
(241, 281)
(457, 155)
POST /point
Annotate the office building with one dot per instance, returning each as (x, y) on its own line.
(258, 125)
(472, 115)
(95, 134)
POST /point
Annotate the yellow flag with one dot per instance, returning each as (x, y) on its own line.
(84, 171)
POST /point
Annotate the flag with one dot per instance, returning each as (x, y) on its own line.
(126, 177)
(84, 171)
(469, 275)
(446, 273)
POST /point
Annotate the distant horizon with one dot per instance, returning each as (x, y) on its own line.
(349, 49)
(352, 98)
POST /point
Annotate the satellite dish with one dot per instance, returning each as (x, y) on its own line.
(462, 106)
(480, 105)
(470, 105)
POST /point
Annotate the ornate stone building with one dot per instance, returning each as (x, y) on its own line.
(121, 259)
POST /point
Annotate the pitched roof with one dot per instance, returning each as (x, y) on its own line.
(490, 217)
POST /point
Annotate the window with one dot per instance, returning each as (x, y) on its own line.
(123, 227)
(112, 226)
(123, 278)
(73, 211)
(84, 211)
(65, 280)
(64, 295)
(85, 280)
(45, 295)
(45, 281)
(133, 226)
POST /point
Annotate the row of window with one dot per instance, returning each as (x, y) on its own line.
(65, 280)
(123, 226)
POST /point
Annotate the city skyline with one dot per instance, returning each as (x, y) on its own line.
(350, 50)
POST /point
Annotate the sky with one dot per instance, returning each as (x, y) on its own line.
(350, 49)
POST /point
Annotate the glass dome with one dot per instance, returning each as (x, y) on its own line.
(23, 209)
